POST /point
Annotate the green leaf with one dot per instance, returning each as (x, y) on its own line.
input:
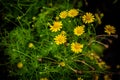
(98, 48)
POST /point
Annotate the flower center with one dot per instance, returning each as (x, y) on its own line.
(87, 17)
(77, 46)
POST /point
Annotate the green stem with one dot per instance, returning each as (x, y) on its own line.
(105, 45)
(115, 36)
(11, 21)
(49, 59)
(24, 54)
(85, 64)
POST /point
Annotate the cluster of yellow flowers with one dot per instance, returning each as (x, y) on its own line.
(87, 18)
(71, 13)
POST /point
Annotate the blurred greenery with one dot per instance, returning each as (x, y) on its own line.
(33, 55)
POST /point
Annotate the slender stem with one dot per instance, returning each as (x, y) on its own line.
(23, 54)
(20, 23)
(115, 36)
(105, 45)
(85, 64)
(97, 72)
(11, 21)
(93, 71)
(50, 59)
(74, 70)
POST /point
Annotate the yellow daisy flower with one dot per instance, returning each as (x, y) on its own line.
(57, 25)
(63, 14)
(60, 39)
(79, 30)
(62, 64)
(76, 47)
(88, 18)
(110, 29)
(73, 13)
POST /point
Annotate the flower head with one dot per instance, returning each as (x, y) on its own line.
(30, 45)
(20, 65)
(56, 18)
(63, 14)
(107, 77)
(19, 17)
(63, 33)
(109, 29)
(88, 18)
(57, 25)
(73, 13)
(76, 47)
(60, 39)
(43, 79)
(33, 18)
(79, 30)
(98, 18)
(62, 64)
(101, 64)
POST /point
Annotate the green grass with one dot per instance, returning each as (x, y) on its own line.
(42, 60)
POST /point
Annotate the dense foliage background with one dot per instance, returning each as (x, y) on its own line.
(10, 9)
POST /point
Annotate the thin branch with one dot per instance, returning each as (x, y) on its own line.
(115, 36)
(85, 64)
(105, 45)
